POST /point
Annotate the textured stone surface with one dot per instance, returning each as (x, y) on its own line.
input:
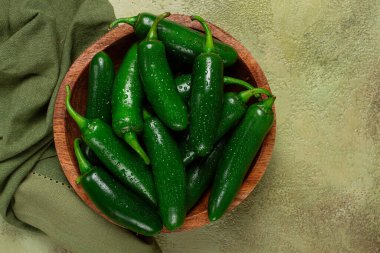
(321, 192)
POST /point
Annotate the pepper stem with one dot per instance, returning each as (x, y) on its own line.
(267, 104)
(80, 120)
(152, 34)
(232, 80)
(131, 139)
(130, 21)
(247, 94)
(84, 165)
(209, 47)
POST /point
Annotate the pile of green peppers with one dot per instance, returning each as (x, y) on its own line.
(155, 139)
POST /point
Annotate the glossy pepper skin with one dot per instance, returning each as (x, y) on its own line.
(114, 155)
(200, 175)
(187, 151)
(115, 201)
(181, 42)
(127, 98)
(183, 83)
(158, 81)
(101, 76)
(238, 154)
(168, 172)
(233, 110)
(234, 107)
(206, 98)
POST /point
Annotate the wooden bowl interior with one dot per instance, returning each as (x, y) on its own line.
(65, 129)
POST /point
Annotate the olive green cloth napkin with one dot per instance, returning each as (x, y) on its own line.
(39, 40)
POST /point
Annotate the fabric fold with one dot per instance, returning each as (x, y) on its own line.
(39, 40)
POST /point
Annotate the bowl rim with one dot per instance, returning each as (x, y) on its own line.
(68, 161)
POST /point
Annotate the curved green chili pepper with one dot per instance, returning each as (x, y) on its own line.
(111, 151)
(158, 80)
(101, 76)
(115, 201)
(238, 155)
(168, 171)
(234, 107)
(181, 42)
(127, 100)
(206, 98)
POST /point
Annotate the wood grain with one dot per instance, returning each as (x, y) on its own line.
(116, 42)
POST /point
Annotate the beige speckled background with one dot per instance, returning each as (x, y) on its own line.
(321, 192)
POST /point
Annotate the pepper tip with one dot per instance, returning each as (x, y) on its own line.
(212, 217)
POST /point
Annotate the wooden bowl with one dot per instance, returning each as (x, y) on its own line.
(116, 43)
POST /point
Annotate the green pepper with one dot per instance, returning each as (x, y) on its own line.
(234, 107)
(158, 80)
(206, 98)
(237, 156)
(127, 98)
(115, 201)
(101, 76)
(200, 175)
(181, 42)
(168, 171)
(183, 83)
(112, 152)
(231, 112)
